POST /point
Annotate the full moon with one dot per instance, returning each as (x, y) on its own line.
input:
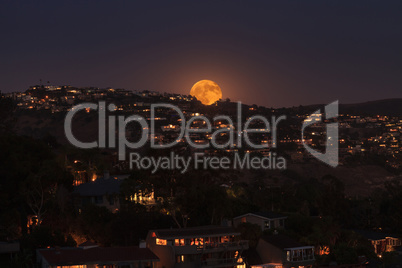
(206, 91)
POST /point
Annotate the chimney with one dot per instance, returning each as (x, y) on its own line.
(142, 244)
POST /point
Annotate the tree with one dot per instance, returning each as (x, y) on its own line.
(344, 254)
(7, 108)
(325, 233)
(37, 196)
(138, 183)
(30, 175)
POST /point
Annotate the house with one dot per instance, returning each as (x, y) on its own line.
(94, 257)
(102, 192)
(205, 246)
(266, 220)
(9, 248)
(105, 191)
(280, 251)
(267, 265)
(382, 242)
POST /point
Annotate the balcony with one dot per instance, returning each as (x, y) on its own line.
(220, 263)
(211, 247)
(301, 254)
(302, 258)
(235, 245)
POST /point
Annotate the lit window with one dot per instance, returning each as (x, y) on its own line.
(179, 258)
(179, 242)
(161, 242)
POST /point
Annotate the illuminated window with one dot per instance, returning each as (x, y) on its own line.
(179, 258)
(199, 241)
(224, 239)
(161, 242)
(73, 266)
(241, 263)
(179, 242)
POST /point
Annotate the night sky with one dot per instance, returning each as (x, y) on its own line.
(271, 53)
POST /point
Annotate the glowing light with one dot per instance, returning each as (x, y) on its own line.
(206, 91)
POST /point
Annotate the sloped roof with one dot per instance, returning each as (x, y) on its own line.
(99, 187)
(270, 214)
(372, 235)
(192, 232)
(267, 215)
(96, 255)
(282, 241)
(9, 247)
(88, 244)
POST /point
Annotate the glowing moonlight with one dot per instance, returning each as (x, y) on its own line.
(206, 91)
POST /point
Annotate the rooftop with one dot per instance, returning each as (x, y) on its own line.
(192, 232)
(88, 244)
(372, 235)
(282, 241)
(265, 214)
(99, 187)
(96, 255)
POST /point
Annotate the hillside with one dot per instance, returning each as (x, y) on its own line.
(392, 107)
